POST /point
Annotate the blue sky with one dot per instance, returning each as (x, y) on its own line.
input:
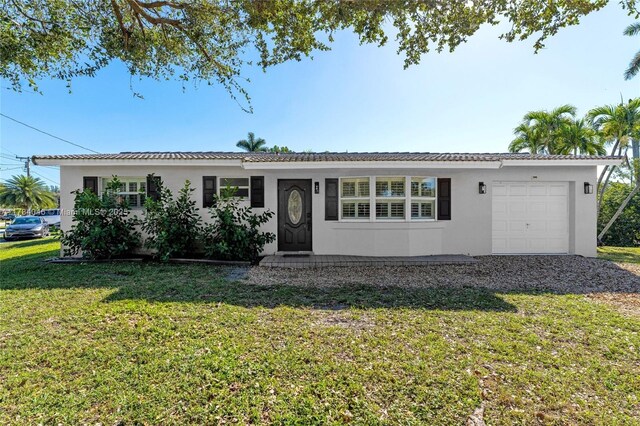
(355, 98)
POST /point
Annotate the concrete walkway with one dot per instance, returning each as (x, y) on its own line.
(318, 261)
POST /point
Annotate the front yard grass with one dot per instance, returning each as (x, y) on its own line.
(620, 254)
(179, 344)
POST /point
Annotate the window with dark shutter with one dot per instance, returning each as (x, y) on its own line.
(90, 182)
(444, 199)
(208, 190)
(153, 190)
(331, 199)
(257, 191)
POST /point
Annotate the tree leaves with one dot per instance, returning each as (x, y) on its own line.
(212, 40)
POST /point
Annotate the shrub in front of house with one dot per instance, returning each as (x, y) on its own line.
(173, 226)
(103, 227)
(235, 233)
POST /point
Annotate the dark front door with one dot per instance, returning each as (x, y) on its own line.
(294, 215)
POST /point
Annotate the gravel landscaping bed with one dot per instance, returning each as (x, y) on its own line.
(559, 274)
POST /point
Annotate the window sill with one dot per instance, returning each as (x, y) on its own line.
(388, 224)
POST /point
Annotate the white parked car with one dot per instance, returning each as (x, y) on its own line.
(51, 216)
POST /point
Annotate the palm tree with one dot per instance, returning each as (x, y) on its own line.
(634, 65)
(580, 138)
(26, 192)
(251, 144)
(545, 129)
(620, 126)
(527, 139)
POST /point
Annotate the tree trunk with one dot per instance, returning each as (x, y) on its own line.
(599, 187)
(618, 212)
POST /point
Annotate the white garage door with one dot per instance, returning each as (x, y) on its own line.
(530, 217)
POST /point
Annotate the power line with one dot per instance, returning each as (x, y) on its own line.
(6, 157)
(44, 177)
(10, 152)
(48, 134)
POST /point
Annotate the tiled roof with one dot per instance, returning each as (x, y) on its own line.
(262, 157)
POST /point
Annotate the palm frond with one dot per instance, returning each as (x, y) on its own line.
(634, 67)
(632, 30)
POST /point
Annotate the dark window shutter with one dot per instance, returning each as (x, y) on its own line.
(331, 195)
(257, 191)
(208, 190)
(90, 182)
(444, 199)
(152, 187)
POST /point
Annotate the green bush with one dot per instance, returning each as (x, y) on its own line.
(625, 231)
(173, 227)
(235, 233)
(102, 227)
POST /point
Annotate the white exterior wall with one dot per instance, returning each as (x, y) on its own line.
(469, 231)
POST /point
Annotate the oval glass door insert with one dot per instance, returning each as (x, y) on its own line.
(294, 206)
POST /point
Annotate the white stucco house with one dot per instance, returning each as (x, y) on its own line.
(375, 204)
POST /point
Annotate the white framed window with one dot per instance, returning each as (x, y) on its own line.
(242, 185)
(390, 198)
(134, 189)
(355, 202)
(423, 197)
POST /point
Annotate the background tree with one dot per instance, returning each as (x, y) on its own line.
(578, 137)
(634, 65)
(542, 131)
(527, 139)
(278, 149)
(251, 144)
(625, 231)
(26, 192)
(207, 40)
(619, 125)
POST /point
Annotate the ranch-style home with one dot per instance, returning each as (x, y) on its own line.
(375, 204)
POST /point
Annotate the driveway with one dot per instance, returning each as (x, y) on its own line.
(615, 283)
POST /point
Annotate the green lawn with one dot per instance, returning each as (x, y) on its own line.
(178, 344)
(620, 254)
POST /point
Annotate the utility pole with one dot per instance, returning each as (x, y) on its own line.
(27, 164)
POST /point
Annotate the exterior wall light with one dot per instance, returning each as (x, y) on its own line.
(588, 188)
(316, 187)
(482, 188)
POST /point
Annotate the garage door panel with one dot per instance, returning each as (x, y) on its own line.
(539, 189)
(558, 189)
(539, 226)
(500, 226)
(499, 189)
(518, 206)
(537, 207)
(530, 217)
(516, 189)
(499, 207)
(557, 208)
(556, 245)
(499, 245)
(556, 226)
(517, 226)
(517, 245)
